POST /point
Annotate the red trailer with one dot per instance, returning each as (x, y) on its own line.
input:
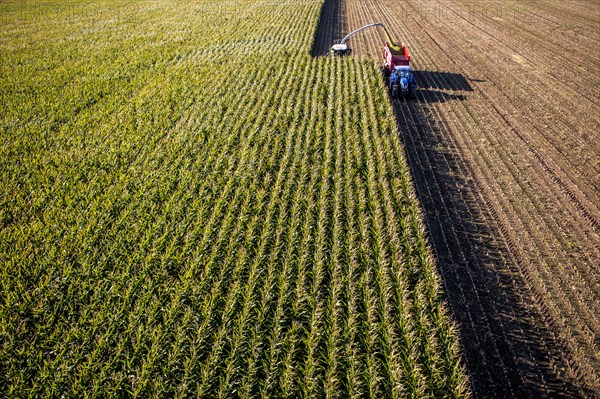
(395, 56)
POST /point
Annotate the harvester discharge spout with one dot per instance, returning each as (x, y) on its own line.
(342, 48)
(394, 46)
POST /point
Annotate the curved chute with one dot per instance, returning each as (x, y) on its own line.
(394, 46)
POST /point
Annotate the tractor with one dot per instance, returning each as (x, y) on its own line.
(396, 63)
(401, 82)
(397, 71)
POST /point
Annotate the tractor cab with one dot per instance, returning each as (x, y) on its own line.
(403, 70)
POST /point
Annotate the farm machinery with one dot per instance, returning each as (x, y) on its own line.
(396, 63)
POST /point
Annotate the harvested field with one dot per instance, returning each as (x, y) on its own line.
(503, 143)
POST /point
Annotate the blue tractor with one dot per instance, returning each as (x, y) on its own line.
(402, 83)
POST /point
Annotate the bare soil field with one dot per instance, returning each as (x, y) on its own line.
(503, 143)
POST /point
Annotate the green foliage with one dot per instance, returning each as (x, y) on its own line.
(192, 206)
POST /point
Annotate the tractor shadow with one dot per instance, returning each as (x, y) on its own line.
(434, 80)
(439, 87)
(435, 96)
(332, 25)
(505, 349)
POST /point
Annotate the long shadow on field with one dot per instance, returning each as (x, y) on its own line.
(508, 353)
(332, 23)
(442, 81)
(436, 96)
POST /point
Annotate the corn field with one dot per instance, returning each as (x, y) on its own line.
(194, 206)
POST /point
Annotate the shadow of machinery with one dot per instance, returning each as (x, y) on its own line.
(330, 30)
(436, 96)
(439, 87)
(442, 81)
